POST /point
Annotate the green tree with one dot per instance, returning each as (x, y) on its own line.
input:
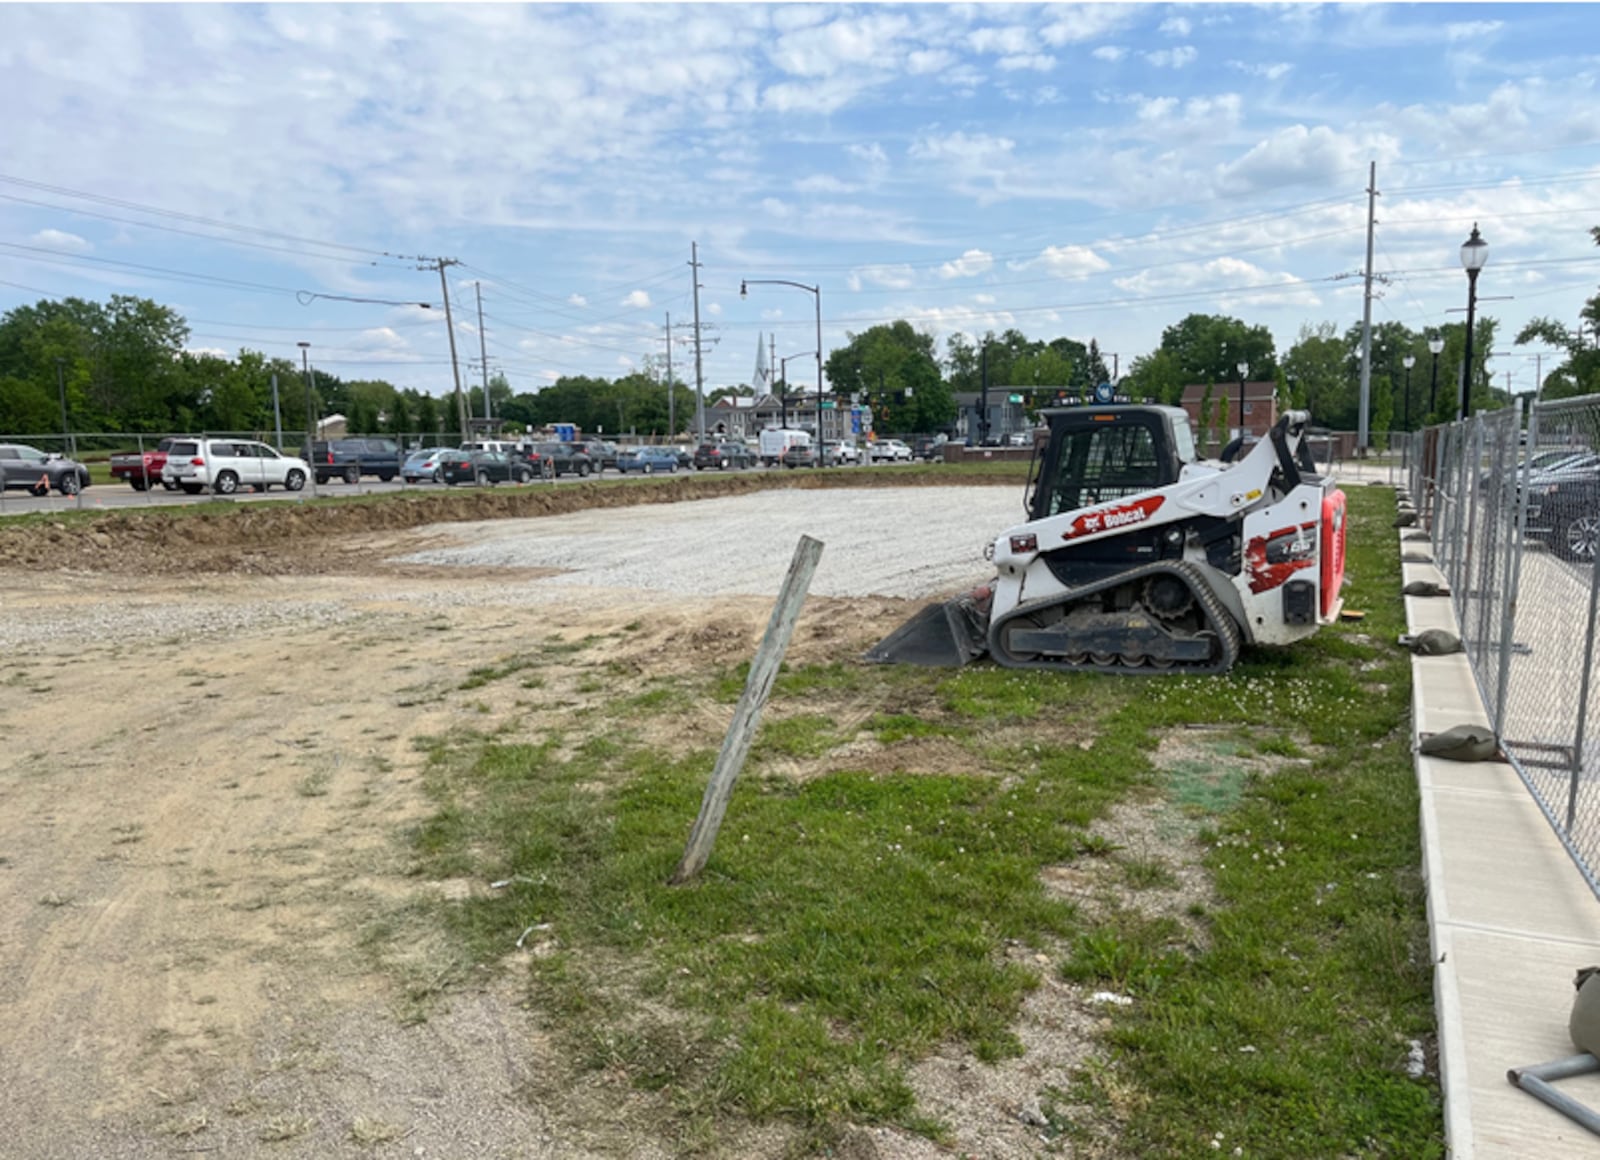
(1157, 376)
(882, 364)
(1579, 374)
(1317, 370)
(1210, 347)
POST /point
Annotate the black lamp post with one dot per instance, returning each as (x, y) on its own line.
(1244, 373)
(1474, 255)
(816, 292)
(1408, 362)
(983, 395)
(783, 396)
(1435, 346)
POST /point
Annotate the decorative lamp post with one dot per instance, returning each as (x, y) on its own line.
(1474, 256)
(1244, 373)
(783, 397)
(816, 292)
(1408, 362)
(1435, 347)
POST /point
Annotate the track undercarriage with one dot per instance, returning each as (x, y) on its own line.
(1158, 617)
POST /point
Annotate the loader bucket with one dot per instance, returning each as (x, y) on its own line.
(945, 636)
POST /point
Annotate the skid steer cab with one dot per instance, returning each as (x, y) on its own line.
(1137, 556)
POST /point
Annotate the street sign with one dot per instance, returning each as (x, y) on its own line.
(828, 404)
(1013, 398)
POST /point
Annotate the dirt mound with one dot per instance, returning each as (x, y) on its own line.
(324, 536)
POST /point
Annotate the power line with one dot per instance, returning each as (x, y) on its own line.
(63, 191)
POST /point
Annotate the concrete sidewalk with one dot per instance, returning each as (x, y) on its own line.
(1510, 921)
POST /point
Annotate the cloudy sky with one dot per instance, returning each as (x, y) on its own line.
(1096, 171)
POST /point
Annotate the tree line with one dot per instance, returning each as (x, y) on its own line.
(122, 366)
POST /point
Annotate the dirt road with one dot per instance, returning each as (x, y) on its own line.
(204, 786)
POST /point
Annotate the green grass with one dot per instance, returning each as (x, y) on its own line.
(850, 922)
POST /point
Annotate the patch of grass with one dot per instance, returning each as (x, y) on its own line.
(849, 924)
(314, 784)
(480, 677)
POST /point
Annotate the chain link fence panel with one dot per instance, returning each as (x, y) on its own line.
(1513, 510)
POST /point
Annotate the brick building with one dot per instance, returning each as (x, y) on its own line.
(1260, 410)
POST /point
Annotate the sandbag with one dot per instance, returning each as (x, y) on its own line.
(1584, 1022)
(1461, 743)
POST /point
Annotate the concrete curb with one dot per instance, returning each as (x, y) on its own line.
(1510, 920)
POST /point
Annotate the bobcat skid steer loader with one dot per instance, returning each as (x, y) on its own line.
(1139, 557)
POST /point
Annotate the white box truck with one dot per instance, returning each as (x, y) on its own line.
(776, 441)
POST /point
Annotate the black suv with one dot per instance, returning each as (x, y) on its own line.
(1564, 508)
(350, 459)
(722, 456)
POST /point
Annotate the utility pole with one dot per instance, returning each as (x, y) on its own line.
(1363, 437)
(277, 415)
(699, 371)
(450, 327)
(483, 352)
(311, 419)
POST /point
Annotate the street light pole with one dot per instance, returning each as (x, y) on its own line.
(1435, 346)
(816, 292)
(1408, 362)
(305, 367)
(783, 398)
(1244, 373)
(1474, 254)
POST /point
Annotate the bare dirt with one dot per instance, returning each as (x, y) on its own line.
(204, 784)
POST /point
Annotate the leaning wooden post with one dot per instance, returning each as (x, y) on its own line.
(742, 730)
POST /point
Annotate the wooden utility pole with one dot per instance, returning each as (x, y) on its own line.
(699, 372)
(483, 351)
(450, 326)
(1364, 436)
(747, 716)
(672, 423)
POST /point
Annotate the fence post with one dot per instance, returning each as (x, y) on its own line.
(1489, 555)
(1583, 697)
(742, 730)
(1514, 563)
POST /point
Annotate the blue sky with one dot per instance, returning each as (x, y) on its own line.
(1095, 171)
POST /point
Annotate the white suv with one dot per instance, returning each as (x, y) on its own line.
(892, 450)
(226, 465)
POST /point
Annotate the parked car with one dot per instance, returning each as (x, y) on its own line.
(1564, 508)
(226, 465)
(889, 451)
(423, 464)
(350, 459)
(141, 469)
(647, 460)
(721, 456)
(38, 471)
(484, 467)
(601, 454)
(685, 455)
(563, 459)
(845, 451)
(928, 447)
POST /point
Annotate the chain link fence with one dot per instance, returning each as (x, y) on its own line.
(1511, 502)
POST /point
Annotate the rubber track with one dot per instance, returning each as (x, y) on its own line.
(1221, 620)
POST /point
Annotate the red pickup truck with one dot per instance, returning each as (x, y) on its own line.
(142, 469)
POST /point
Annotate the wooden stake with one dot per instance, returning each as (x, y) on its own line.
(747, 716)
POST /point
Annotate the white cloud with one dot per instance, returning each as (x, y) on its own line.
(1175, 26)
(823, 183)
(577, 300)
(1002, 41)
(1038, 62)
(896, 277)
(1069, 262)
(1470, 30)
(971, 263)
(1109, 52)
(929, 60)
(1271, 72)
(1087, 22)
(1296, 154)
(975, 152)
(382, 338)
(1173, 57)
(637, 298)
(872, 153)
(61, 240)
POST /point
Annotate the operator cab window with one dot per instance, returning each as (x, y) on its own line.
(1103, 463)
